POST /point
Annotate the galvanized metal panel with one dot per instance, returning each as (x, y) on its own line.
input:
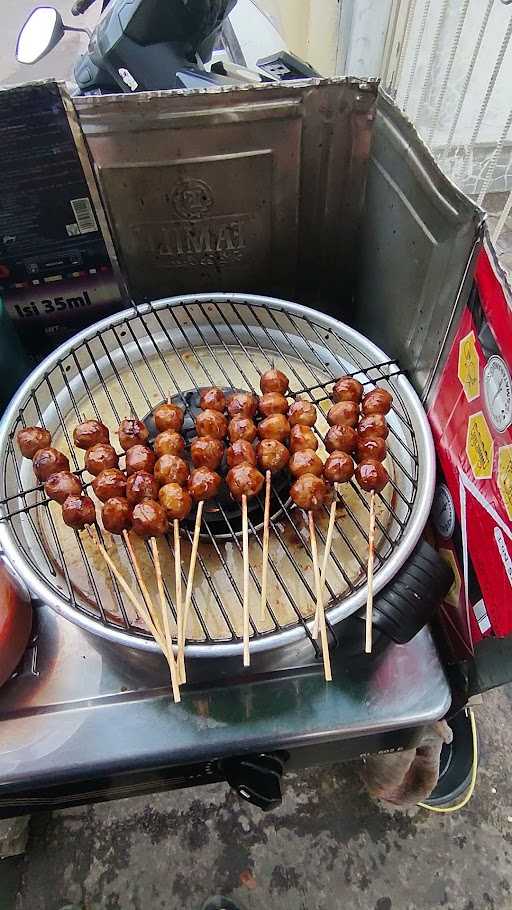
(258, 188)
(419, 234)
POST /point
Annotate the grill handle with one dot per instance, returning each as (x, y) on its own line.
(256, 778)
(409, 602)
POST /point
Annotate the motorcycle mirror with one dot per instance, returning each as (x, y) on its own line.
(42, 31)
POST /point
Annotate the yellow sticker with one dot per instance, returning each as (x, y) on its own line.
(480, 446)
(505, 477)
(453, 595)
(469, 367)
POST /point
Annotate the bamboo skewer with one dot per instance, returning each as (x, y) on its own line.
(145, 593)
(245, 537)
(371, 553)
(165, 616)
(319, 604)
(266, 535)
(190, 580)
(327, 551)
(139, 605)
(178, 600)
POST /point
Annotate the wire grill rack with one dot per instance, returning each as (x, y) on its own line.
(127, 365)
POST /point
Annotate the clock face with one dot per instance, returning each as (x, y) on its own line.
(443, 511)
(498, 393)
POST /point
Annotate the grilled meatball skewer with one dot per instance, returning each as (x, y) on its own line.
(310, 492)
(61, 485)
(47, 462)
(110, 486)
(212, 399)
(31, 439)
(338, 468)
(143, 513)
(90, 433)
(203, 484)
(245, 481)
(78, 512)
(273, 456)
(372, 477)
(274, 381)
(149, 521)
(177, 503)
(171, 474)
(347, 389)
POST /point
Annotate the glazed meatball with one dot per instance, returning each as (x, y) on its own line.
(309, 492)
(274, 427)
(343, 414)
(132, 432)
(240, 451)
(242, 404)
(169, 443)
(378, 401)
(242, 428)
(116, 515)
(244, 479)
(212, 399)
(49, 461)
(272, 455)
(109, 483)
(347, 389)
(306, 461)
(373, 425)
(272, 403)
(338, 468)
(211, 423)
(274, 381)
(203, 483)
(139, 486)
(168, 416)
(341, 439)
(31, 439)
(61, 485)
(371, 475)
(78, 511)
(149, 519)
(205, 450)
(99, 457)
(90, 433)
(175, 500)
(302, 438)
(140, 458)
(171, 469)
(303, 412)
(373, 447)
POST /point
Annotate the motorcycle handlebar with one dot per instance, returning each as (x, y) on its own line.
(81, 6)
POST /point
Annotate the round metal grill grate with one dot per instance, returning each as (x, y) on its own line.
(130, 363)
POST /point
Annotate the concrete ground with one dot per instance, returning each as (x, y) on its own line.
(59, 63)
(328, 846)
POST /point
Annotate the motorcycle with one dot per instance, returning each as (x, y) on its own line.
(145, 45)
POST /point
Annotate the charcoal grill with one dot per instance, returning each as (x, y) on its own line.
(128, 364)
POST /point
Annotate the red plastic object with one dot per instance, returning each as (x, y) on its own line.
(15, 621)
(471, 419)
